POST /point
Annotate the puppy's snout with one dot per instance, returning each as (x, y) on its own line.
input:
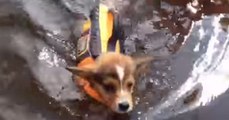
(123, 106)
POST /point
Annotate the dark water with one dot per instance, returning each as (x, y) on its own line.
(37, 40)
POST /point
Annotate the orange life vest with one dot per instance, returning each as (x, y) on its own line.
(101, 33)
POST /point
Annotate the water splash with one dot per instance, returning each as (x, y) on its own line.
(208, 79)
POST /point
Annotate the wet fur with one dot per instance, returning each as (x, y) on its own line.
(104, 77)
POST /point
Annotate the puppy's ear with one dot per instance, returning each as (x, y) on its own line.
(143, 60)
(86, 73)
(142, 64)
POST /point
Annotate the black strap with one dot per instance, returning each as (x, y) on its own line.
(95, 42)
(117, 34)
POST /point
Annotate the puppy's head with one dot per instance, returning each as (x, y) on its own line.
(113, 76)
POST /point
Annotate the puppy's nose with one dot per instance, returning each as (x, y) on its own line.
(123, 106)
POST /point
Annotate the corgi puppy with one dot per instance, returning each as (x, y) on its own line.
(112, 78)
(103, 71)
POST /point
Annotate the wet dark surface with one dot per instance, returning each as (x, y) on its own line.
(37, 40)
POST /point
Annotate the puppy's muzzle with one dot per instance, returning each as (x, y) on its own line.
(123, 106)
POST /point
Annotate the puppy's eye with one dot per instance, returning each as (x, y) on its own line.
(129, 85)
(109, 88)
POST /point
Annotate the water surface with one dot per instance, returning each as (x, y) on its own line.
(38, 40)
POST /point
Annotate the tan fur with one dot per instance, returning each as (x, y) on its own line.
(106, 80)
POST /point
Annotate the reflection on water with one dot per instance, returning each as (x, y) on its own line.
(38, 40)
(209, 77)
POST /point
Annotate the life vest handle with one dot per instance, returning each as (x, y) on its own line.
(95, 41)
